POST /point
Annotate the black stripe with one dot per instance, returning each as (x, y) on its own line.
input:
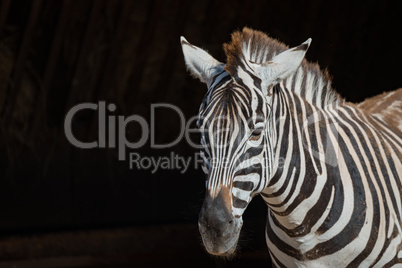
(244, 185)
(334, 178)
(280, 244)
(353, 227)
(238, 203)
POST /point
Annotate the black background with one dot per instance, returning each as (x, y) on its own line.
(56, 54)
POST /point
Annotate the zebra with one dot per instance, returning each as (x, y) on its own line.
(329, 171)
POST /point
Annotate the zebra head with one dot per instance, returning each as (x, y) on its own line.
(237, 133)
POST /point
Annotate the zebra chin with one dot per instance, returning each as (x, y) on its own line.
(222, 243)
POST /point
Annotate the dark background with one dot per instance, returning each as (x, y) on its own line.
(61, 206)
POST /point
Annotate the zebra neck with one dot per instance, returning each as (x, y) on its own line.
(297, 165)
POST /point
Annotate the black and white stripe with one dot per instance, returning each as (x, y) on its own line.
(231, 126)
(329, 172)
(325, 214)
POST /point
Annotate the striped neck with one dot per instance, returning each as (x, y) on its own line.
(297, 156)
(332, 190)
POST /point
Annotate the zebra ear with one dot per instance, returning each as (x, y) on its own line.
(201, 65)
(282, 65)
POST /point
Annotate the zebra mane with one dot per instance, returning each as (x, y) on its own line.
(310, 82)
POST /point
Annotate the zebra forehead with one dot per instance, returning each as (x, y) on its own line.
(228, 101)
(230, 111)
(234, 95)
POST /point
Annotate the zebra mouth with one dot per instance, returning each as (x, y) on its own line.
(221, 244)
(228, 252)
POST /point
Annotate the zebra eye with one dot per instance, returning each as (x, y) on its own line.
(256, 134)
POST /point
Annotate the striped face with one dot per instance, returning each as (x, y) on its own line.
(236, 126)
(232, 121)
